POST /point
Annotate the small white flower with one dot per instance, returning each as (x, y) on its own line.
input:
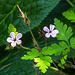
(51, 31)
(14, 40)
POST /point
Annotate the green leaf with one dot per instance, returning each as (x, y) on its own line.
(64, 32)
(31, 55)
(61, 48)
(62, 61)
(60, 65)
(65, 57)
(13, 65)
(48, 51)
(43, 62)
(37, 10)
(72, 42)
(70, 15)
(11, 28)
(54, 68)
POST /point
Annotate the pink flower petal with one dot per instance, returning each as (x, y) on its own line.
(19, 41)
(12, 34)
(52, 27)
(47, 35)
(19, 35)
(54, 33)
(46, 29)
(13, 44)
(9, 39)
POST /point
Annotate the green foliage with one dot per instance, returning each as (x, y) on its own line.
(43, 62)
(48, 51)
(64, 32)
(60, 65)
(65, 57)
(37, 10)
(72, 42)
(54, 68)
(73, 1)
(13, 65)
(63, 61)
(11, 28)
(70, 15)
(56, 49)
(61, 48)
(31, 55)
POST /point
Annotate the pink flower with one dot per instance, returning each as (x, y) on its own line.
(51, 31)
(14, 40)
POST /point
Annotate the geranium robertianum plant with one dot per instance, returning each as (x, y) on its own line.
(42, 56)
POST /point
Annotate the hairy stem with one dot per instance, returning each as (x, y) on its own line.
(60, 71)
(70, 3)
(35, 43)
(72, 55)
(45, 41)
(24, 47)
(56, 66)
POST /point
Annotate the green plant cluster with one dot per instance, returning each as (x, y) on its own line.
(18, 60)
(43, 59)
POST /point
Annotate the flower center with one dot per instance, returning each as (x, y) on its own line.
(14, 39)
(50, 31)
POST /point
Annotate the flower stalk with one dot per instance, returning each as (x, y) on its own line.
(24, 47)
(27, 22)
(34, 40)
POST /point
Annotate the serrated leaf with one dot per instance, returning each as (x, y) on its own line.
(31, 55)
(62, 61)
(72, 42)
(61, 48)
(64, 32)
(43, 63)
(13, 65)
(61, 66)
(11, 28)
(37, 10)
(65, 57)
(48, 51)
(70, 15)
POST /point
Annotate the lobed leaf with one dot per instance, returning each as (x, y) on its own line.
(11, 28)
(48, 51)
(72, 42)
(43, 62)
(70, 15)
(63, 61)
(61, 48)
(64, 32)
(61, 66)
(31, 55)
